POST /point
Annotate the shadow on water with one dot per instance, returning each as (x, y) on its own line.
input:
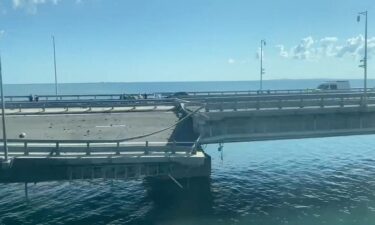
(107, 202)
(171, 202)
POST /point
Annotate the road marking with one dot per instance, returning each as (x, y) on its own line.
(112, 125)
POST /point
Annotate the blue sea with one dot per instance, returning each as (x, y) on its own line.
(151, 87)
(299, 182)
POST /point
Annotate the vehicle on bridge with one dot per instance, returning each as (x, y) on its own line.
(334, 85)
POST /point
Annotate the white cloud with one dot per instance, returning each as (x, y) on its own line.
(309, 48)
(304, 50)
(31, 6)
(283, 53)
(371, 47)
(231, 61)
(353, 47)
(327, 46)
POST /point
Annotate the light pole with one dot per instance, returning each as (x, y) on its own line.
(3, 115)
(54, 63)
(364, 60)
(262, 43)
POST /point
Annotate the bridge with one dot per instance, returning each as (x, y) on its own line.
(70, 137)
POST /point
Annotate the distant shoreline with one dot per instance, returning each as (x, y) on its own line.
(204, 81)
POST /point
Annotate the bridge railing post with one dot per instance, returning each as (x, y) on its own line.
(25, 148)
(146, 152)
(363, 101)
(57, 148)
(118, 148)
(88, 148)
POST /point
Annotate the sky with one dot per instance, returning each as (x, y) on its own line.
(183, 40)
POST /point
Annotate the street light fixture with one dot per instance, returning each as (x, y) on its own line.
(262, 70)
(364, 60)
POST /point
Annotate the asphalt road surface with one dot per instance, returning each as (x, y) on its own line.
(94, 126)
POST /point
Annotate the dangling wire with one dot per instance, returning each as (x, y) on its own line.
(221, 150)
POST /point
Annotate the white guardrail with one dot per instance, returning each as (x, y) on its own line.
(284, 101)
(90, 147)
(182, 94)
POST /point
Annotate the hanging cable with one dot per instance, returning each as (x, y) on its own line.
(221, 150)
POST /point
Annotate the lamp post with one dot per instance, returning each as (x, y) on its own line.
(364, 60)
(262, 43)
(3, 116)
(54, 63)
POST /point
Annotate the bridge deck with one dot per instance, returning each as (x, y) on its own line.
(91, 126)
(69, 141)
(62, 146)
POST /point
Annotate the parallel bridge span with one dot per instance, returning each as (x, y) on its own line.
(84, 139)
(283, 117)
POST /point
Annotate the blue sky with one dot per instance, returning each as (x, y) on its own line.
(185, 40)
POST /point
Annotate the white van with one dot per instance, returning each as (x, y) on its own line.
(334, 85)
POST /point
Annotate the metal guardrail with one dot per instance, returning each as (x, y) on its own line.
(282, 101)
(90, 147)
(90, 103)
(31, 98)
(224, 102)
(158, 95)
(268, 92)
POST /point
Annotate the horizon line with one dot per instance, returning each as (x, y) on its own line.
(191, 81)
